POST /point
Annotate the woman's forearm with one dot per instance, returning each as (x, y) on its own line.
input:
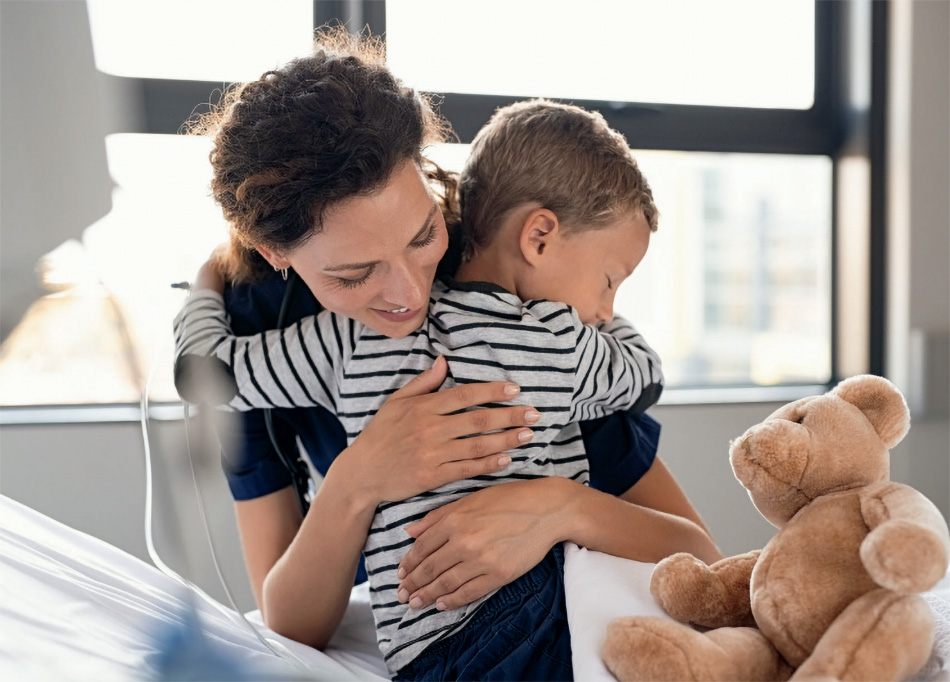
(414, 443)
(306, 593)
(615, 526)
(267, 525)
(485, 540)
(658, 489)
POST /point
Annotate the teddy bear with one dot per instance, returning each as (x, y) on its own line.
(834, 595)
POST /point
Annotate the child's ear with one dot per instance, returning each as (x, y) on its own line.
(277, 261)
(539, 229)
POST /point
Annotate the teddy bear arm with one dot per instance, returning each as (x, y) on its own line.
(709, 596)
(907, 548)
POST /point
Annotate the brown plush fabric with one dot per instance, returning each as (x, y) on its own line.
(835, 594)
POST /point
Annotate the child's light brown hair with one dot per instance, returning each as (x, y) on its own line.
(559, 155)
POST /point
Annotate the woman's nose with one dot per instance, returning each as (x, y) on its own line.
(409, 287)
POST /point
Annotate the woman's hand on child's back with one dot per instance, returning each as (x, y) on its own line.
(481, 542)
(423, 438)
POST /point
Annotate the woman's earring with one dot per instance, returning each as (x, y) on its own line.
(282, 271)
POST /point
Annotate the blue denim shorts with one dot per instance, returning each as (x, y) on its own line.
(520, 633)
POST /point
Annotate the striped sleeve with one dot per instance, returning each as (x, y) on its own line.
(290, 367)
(616, 370)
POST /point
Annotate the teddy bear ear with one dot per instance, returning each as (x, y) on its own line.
(881, 403)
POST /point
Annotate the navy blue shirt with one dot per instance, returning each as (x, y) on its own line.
(620, 447)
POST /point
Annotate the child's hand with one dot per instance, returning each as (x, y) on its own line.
(209, 274)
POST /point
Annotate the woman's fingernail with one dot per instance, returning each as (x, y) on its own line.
(401, 573)
(504, 461)
(512, 389)
(416, 603)
(440, 606)
(402, 595)
(524, 435)
(531, 416)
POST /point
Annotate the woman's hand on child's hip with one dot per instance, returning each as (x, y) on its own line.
(422, 438)
(481, 542)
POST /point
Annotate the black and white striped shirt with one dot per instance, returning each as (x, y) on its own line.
(568, 371)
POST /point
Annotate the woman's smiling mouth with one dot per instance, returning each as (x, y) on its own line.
(396, 315)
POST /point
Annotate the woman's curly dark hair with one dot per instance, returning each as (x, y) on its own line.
(323, 128)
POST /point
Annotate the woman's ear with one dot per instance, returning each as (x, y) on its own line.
(277, 261)
(538, 231)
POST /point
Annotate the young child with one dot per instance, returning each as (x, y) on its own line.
(555, 215)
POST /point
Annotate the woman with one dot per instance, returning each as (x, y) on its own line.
(297, 154)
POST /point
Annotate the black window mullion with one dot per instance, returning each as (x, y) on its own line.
(354, 14)
(877, 155)
(331, 11)
(679, 127)
(168, 104)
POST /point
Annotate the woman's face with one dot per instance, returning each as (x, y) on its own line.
(376, 256)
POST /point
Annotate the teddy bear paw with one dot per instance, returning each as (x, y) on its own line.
(904, 557)
(680, 583)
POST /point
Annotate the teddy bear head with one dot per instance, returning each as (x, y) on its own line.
(820, 445)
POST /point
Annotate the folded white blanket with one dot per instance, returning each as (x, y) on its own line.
(601, 587)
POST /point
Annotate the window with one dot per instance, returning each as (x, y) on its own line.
(738, 285)
(731, 109)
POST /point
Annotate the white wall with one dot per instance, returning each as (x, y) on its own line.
(92, 476)
(918, 325)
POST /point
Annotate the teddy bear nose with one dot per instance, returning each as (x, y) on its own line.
(772, 455)
(741, 460)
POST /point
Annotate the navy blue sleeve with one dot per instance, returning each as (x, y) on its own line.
(620, 448)
(252, 466)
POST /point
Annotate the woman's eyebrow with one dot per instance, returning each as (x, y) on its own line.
(367, 264)
(351, 266)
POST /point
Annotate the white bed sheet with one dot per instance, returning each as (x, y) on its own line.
(75, 608)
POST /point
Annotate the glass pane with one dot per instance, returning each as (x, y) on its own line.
(736, 287)
(213, 40)
(745, 53)
(107, 321)
(735, 290)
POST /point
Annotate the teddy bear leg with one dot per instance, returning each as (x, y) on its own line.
(751, 654)
(642, 648)
(879, 636)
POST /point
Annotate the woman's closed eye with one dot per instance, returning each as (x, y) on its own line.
(427, 239)
(353, 282)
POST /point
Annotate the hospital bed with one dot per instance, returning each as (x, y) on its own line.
(75, 608)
